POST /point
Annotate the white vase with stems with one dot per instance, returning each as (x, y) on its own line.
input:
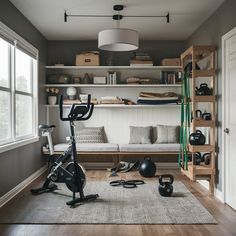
(52, 100)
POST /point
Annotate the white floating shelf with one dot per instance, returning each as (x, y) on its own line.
(113, 85)
(116, 67)
(124, 106)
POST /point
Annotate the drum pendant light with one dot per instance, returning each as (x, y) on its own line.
(118, 39)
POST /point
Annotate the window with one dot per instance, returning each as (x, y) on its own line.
(18, 90)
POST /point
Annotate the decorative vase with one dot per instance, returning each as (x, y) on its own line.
(52, 100)
(71, 93)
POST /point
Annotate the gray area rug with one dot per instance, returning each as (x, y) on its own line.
(116, 205)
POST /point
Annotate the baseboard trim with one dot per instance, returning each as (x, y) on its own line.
(218, 194)
(12, 193)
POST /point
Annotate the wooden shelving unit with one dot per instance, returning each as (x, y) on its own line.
(202, 172)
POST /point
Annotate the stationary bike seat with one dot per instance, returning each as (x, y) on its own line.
(43, 126)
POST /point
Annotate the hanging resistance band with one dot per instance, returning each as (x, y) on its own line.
(185, 122)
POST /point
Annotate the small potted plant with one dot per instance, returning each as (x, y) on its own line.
(52, 95)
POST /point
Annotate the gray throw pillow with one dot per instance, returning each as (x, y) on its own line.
(167, 134)
(90, 135)
(140, 135)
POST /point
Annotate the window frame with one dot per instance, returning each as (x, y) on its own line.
(16, 42)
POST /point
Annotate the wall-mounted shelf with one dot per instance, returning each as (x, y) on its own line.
(116, 67)
(113, 85)
(124, 106)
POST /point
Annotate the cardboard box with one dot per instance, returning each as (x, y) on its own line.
(87, 59)
(171, 62)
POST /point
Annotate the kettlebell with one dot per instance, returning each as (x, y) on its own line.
(165, 185)
(207, 158)
(197, 138)
(147, 168)
(206, 116)
(198, 115)
(197, 158)
(203, 90)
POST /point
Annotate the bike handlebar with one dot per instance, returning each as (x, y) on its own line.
(77, 111)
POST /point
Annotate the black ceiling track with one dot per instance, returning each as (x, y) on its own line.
(118, 16)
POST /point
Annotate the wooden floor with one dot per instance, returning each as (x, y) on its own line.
(225, 216)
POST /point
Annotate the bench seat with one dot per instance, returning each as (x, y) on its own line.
(150, 148)
(89, 147)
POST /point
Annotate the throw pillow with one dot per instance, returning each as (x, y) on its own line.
(167, 134)
(140, 135)
(90, 135)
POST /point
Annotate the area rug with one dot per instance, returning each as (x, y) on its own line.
(116, 205)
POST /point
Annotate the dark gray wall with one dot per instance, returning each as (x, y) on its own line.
(210, 33)
(65, 51)
(16, 165)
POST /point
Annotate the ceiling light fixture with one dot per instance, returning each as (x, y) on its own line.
(117, 39)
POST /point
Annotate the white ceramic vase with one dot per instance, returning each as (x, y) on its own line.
(52, 100)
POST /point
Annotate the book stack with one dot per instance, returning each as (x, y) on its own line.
(111, 77)
(141, 59)
(84, 99)
(111, 100)
(70, 102)
(170, 77)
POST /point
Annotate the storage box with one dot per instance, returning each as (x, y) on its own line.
(99, 79)
(171, 62)
(87, 59)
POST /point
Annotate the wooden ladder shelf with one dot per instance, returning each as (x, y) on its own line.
(202, 172)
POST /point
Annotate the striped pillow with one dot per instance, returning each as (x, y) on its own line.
(90, 135)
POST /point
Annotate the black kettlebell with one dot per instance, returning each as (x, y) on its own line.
(203, 90)
(166, 187)
(197, 138)
(198, 115)
(197, 158)
(147, 168)
(206, 116)
(207, 158)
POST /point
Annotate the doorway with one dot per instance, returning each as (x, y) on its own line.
(229, 117)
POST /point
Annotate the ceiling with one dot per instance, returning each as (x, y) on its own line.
(185, 17)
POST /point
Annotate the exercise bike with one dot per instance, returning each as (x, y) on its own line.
(65, 168)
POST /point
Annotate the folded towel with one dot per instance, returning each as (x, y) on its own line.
(157, 95)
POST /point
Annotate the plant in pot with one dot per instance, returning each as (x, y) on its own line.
(52, 95)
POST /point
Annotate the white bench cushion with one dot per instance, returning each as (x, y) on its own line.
(89, 147)
(162, 147)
